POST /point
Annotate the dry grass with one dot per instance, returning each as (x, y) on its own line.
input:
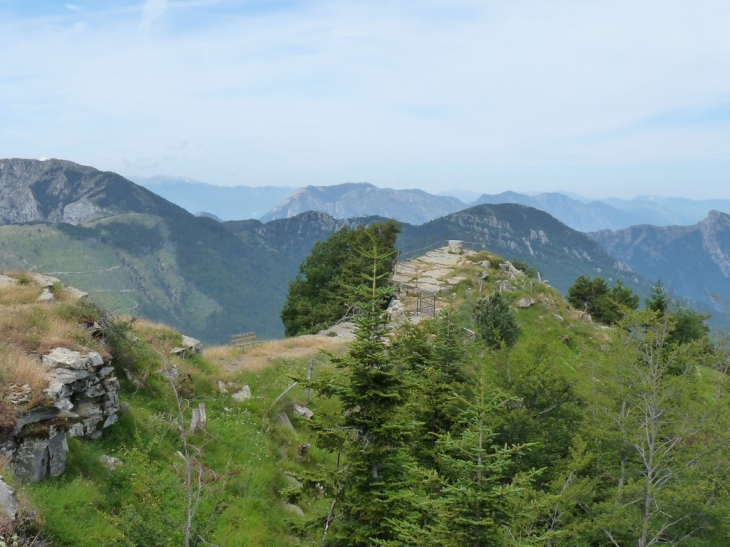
(20, 369)
(18, 294)
(157, 334)
(38, 328)
(217, 353)
(264, 355)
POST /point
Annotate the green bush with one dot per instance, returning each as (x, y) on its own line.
(496, 322)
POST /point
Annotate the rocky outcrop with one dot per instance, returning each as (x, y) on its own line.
(82, 398)
(189, 347)
(8, 502)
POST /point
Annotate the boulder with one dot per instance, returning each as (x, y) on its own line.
(46, 296)
(242, 395)
(510, 270)
(558, 317)
(525, 302)
(43, 280)
(110, 462)
(8, 501)
(190, 346)
(285, 421)
(5, 280)
(303, 411)
(292, 482)
(38, 458)
(222, 387)
(76, 294)
(505, 286)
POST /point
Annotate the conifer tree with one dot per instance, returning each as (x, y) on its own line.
(371, 392)
(472, 497)
(438, 382)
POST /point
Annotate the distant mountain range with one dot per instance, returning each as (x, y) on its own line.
(362, 199)
(135, 251)
(222, 202)
(352, 200)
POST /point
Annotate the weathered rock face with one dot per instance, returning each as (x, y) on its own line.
(8, 502)
(190, 346)
(82, 399)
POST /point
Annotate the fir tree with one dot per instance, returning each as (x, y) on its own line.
(370, 432)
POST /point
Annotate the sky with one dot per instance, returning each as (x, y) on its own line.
(594, 97)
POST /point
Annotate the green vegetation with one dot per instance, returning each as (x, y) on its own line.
(605, 305)
(496, 322)
(423, 436)
(319, 296)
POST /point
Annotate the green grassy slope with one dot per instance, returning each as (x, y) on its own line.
(246, 452)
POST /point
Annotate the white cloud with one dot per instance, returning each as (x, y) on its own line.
(411, 93)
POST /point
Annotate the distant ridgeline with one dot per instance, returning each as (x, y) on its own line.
(134, 251)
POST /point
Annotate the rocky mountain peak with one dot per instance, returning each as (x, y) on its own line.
(62, 191)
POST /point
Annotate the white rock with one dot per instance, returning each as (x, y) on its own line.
(46, 296)
(44, 280)
(76, 294)
(242, 395)
(66, 358)
(8, 501)
(303, 411)
(110, 462)
(5, 280)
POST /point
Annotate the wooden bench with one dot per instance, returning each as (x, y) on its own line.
(244, 339)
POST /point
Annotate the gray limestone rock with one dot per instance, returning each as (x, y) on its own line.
(85, 398)
(292, 482)
(8, 501)
(5, 280)
(190, 346)
(110, 462)
(303, 411)
(43, 280)
(66, 358)
(285, 421)
(242, 395)
(222, 387)
(525, 302)
(38, 458)
(76, 294)
(80, 211)
(505, 286)
(46, 296)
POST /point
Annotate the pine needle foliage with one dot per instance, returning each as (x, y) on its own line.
(372, 448)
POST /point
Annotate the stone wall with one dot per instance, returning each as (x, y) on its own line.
(82, 398)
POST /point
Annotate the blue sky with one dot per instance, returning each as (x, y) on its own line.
(598, 98)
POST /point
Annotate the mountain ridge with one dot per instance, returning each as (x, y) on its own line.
(693, 261)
